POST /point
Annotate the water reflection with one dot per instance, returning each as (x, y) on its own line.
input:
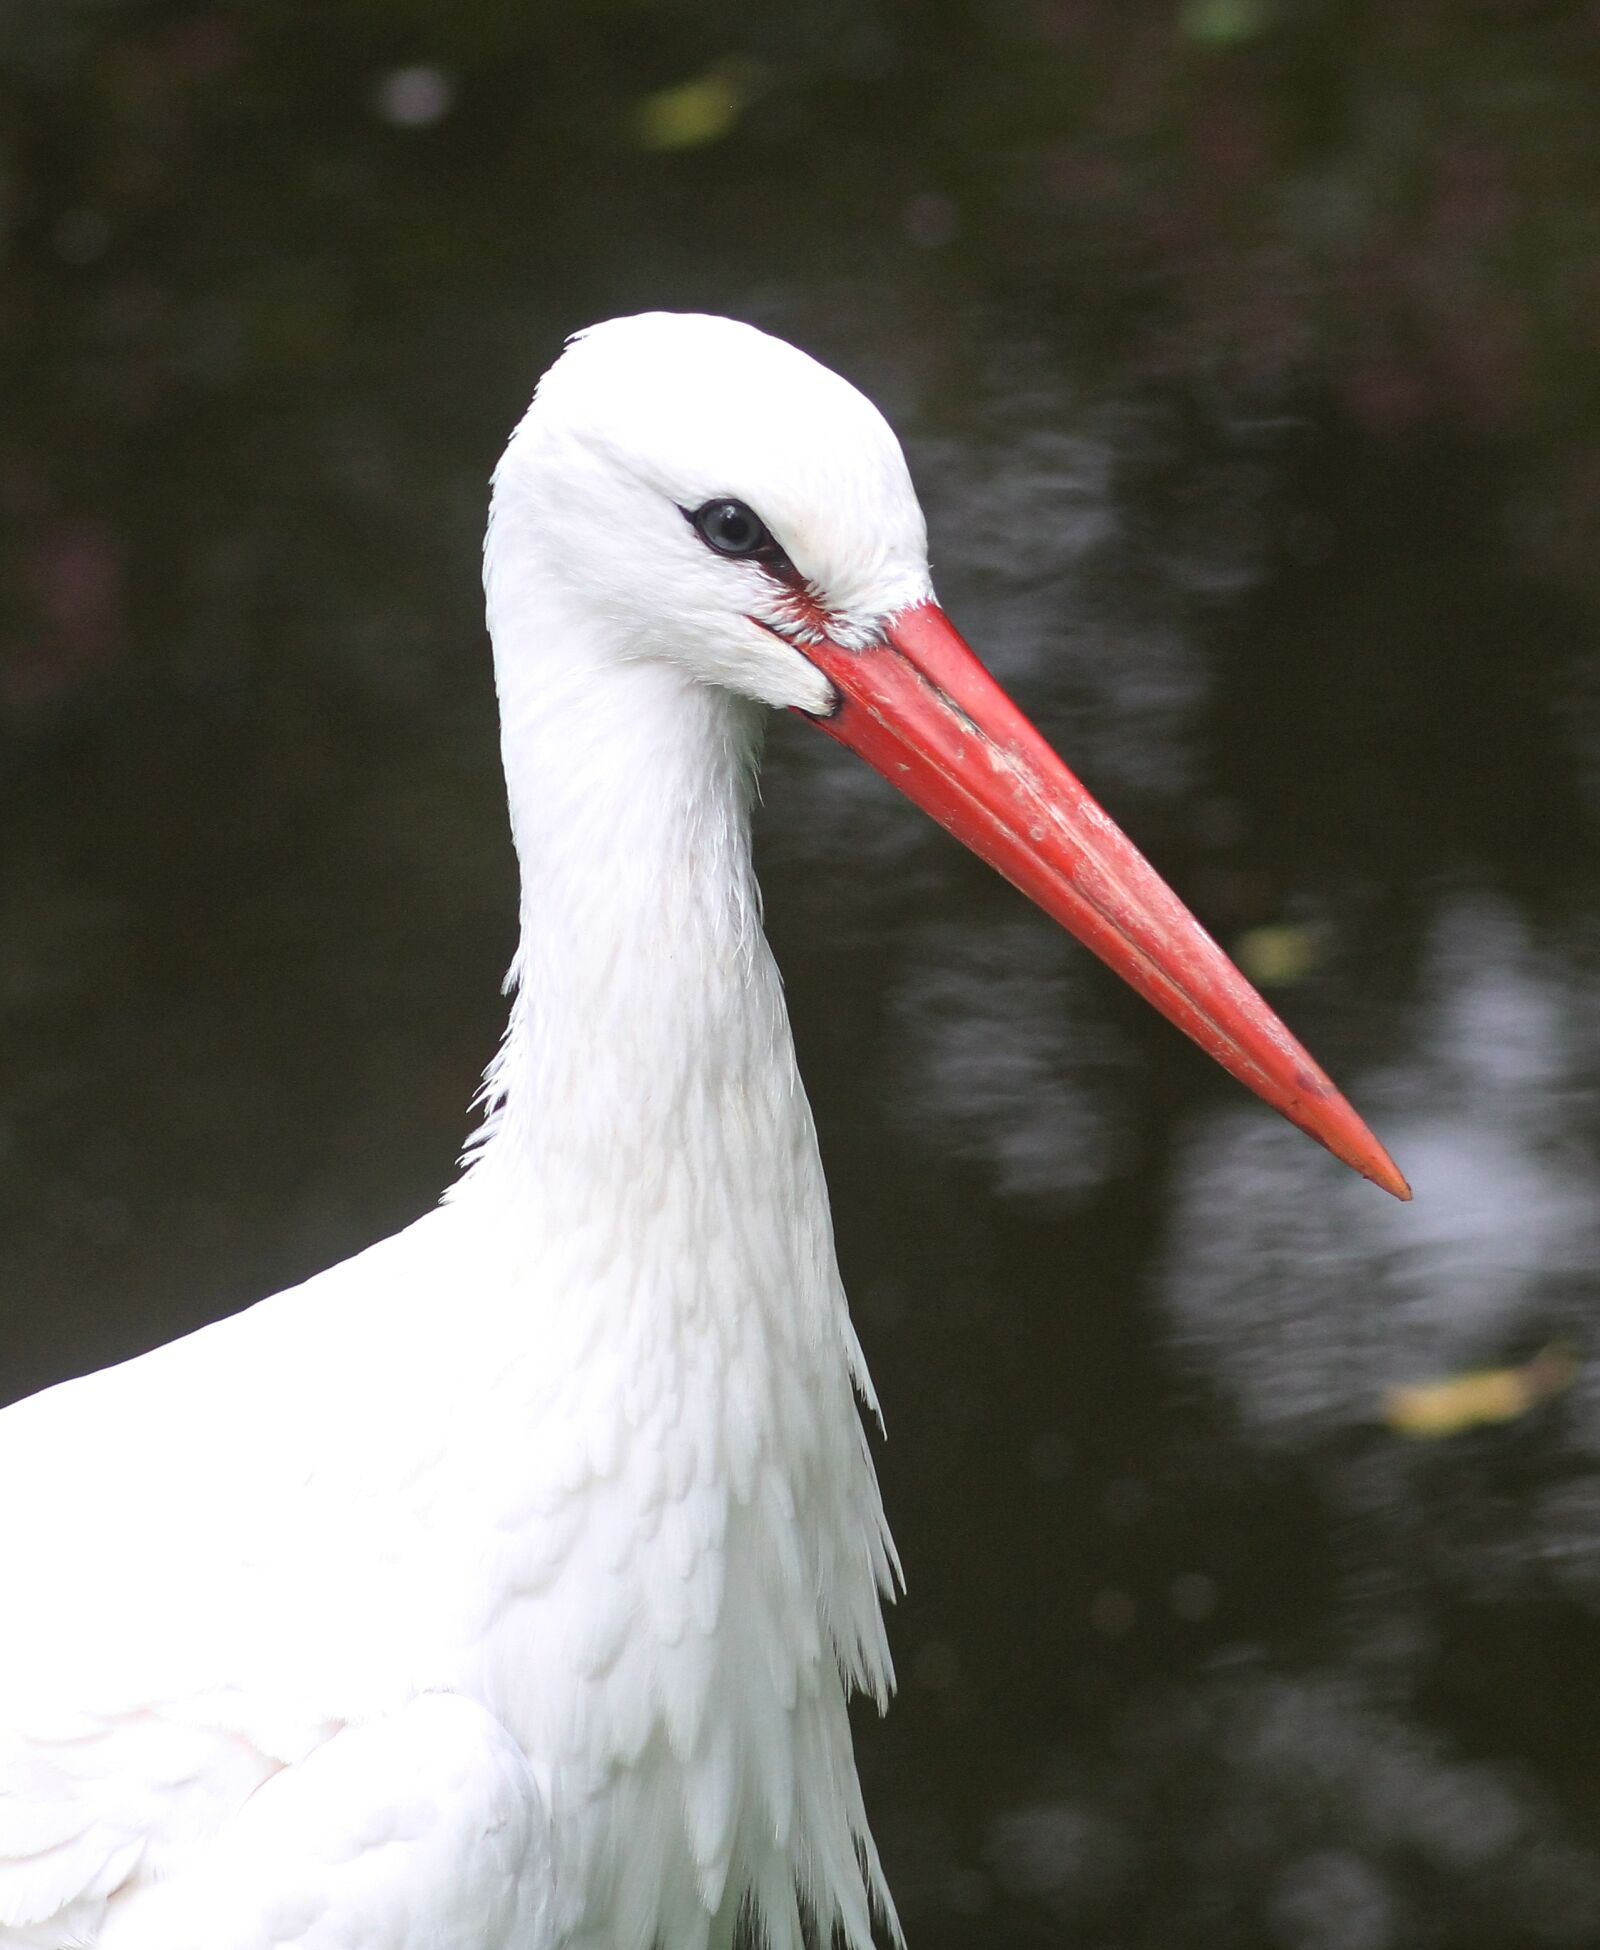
(997, 1055)
(1305, 1812)
(1305, 1298)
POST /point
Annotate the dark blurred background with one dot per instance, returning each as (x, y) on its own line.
(1246, 355)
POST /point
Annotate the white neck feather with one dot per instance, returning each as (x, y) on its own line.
(646, 1118)
(644, 993)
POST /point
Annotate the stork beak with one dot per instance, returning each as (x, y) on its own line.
(921, 709)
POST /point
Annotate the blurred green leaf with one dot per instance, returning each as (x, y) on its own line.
(1224, 23)
(1277, 955)
(695, 113)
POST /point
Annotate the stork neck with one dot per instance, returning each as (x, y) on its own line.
(680, 1364)
(647, 1009)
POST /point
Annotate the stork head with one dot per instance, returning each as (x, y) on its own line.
(703, 496)
(718, 497)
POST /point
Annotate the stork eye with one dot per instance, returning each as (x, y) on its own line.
(731, 528)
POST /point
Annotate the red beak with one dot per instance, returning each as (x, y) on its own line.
(921, 709)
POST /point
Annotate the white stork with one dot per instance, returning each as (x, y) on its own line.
(502, 1588)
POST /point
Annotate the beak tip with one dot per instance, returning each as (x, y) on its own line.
(1335, 1124)
(1392, 1182)
(1374, 1163)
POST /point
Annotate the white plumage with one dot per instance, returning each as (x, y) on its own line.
(574, 1462)
(502, 1588)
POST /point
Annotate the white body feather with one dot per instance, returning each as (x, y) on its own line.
(503, 1586)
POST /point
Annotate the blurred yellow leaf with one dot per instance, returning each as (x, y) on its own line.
(1277, 955)
(697, 112)
(1430, 1409)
